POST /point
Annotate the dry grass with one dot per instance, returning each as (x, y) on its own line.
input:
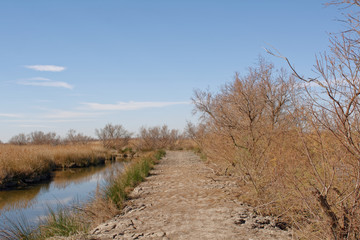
(19, 164)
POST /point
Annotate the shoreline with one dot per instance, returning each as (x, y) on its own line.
(24, 180)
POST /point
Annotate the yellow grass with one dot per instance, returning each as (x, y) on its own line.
(18, 163)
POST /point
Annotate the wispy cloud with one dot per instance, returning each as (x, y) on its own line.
(33, 126)
(10, 115)
(69, 114)
(44, 82)
(46, 68)
(130, 105)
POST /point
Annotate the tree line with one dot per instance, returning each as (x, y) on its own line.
(112, 136)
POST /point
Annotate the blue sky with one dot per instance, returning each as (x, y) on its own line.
(81, 64)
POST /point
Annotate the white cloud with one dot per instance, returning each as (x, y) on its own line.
(46, 68)
(10, 115)
(68, 114)
(32, 126)
(131, 105)
(44, 82)
(49, 84)
(38, 79)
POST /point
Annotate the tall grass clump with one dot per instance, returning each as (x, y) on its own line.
(119, 188)
(62, 222)
(20, 228)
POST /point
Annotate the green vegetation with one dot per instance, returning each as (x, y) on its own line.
(122, 184)
(18, 229)
(62, 222)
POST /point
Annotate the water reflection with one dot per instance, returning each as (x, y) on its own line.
(17, 199)
(66, 187)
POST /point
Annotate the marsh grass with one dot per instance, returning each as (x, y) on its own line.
(62, 222)
(19, 164)
(121, 185)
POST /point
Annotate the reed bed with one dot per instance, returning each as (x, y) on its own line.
(25, 164)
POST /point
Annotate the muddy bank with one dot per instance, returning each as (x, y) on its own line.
(184, 199)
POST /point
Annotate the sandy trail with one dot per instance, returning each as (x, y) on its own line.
(184, 199)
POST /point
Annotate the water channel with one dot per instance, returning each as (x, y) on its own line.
(66, 187)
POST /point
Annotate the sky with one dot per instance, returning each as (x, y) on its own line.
(81, 64)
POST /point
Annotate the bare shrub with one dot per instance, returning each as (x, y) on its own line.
(36, 138)
(330, 135)
(196, 133)
(72, 137)
(20, 139)
(158, 138)
(114, 136)
(39, 138)
(245, 117)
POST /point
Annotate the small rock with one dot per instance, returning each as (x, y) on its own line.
(257, 226)
(243, 215)
(159, 234)
(263, 221)
(137, 235)
(281, 225)
(240, 221)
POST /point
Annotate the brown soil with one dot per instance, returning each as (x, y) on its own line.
(184, 199)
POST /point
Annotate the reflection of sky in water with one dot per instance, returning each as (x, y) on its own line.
(67, 187)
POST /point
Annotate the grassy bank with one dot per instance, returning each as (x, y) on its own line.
(20, 165)
(117, 191)
(108, 202)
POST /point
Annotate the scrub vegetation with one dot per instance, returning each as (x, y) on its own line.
(294, 142)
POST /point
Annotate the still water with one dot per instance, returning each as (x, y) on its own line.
(67, 187)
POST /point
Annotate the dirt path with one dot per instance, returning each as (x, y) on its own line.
(184, 199)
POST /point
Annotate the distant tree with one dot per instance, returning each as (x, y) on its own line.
(39, 137)
(195, 132)
(73, 137)
(158, 137)
(113, 136)
(20, 139)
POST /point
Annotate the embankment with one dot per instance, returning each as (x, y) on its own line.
(183, 199)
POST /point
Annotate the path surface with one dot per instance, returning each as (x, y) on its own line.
(184, 199)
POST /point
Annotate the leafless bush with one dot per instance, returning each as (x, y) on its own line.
(247, 115)
(39, 137)
(196, 133)
(114, 136)
(73, 137)
(36, 138)
(330, 135)
(20, 139)
(158, 138)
